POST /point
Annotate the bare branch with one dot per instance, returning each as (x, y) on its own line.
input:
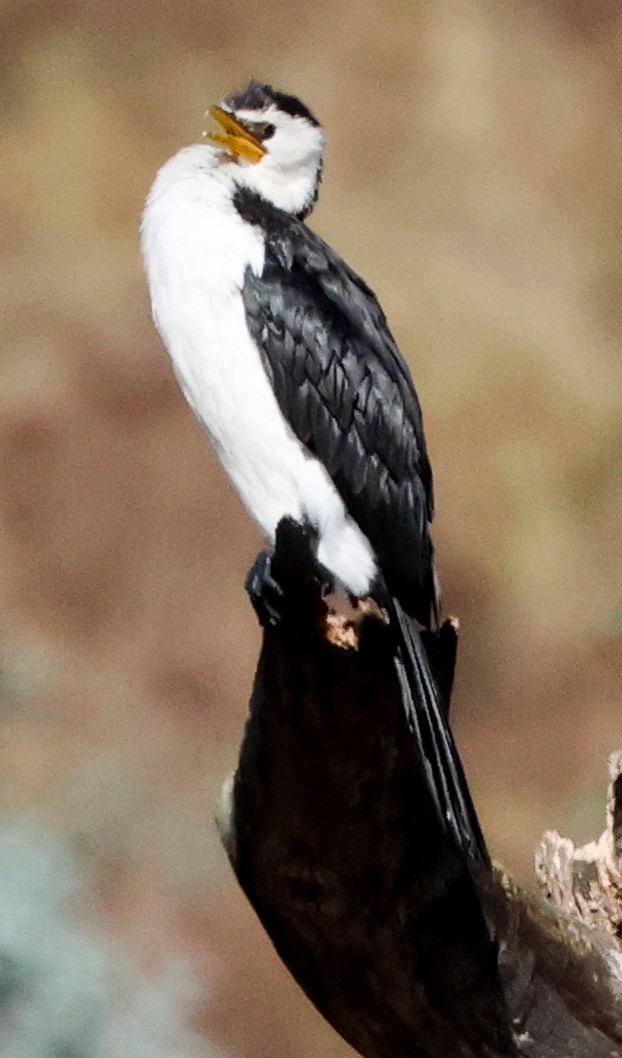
(333, 838)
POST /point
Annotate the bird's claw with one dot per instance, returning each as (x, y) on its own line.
(266, 594)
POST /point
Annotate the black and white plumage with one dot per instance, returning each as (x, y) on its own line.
(287, 360)
(341, 383)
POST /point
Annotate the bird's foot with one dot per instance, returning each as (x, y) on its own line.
(265, 593)
(288, 575)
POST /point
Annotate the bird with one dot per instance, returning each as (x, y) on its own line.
(312, 410)
(287, 360)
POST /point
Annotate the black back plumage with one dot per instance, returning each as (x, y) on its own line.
(347, 394)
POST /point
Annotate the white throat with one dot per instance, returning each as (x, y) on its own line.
(291, 190)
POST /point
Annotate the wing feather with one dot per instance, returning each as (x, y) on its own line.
(343, 386)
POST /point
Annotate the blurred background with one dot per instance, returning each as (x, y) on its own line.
(473, 175)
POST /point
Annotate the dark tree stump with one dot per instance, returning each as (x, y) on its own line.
(333, 839)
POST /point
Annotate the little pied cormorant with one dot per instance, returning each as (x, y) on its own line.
(285, 355)
(287, 361)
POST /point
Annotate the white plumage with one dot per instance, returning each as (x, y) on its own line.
(196, 250)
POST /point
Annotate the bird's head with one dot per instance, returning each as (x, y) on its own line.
(273, 144)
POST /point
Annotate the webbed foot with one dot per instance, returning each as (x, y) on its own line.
(266, 594)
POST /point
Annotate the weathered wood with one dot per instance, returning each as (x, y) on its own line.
(586, 883)
(333, 839)
(563, 982)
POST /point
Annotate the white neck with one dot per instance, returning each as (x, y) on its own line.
(291, 190)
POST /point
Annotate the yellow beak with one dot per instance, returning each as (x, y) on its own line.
(235, 137)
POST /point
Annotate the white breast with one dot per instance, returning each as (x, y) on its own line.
(196, 250)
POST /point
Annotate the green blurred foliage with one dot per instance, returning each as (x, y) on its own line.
(67, 990)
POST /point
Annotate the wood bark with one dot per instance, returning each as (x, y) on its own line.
(326, 827)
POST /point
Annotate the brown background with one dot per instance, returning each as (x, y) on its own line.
(474, 176)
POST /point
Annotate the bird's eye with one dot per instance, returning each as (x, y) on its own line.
(261, 130)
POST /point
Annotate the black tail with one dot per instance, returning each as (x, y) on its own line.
(459, 953)
(426, 701)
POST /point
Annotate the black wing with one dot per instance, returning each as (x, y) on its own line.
(426, 709)
(347, 394)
